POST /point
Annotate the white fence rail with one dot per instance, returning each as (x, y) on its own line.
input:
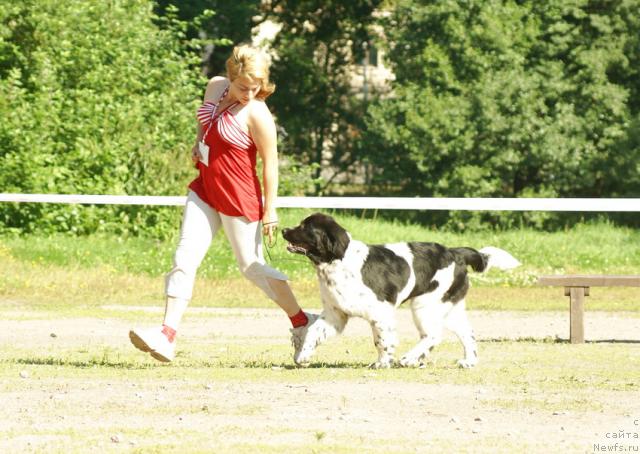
(382, 203)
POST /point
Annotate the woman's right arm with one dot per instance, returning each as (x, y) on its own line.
(195, 150)
(214, 90)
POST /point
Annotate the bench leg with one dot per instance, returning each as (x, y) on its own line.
(576, 312)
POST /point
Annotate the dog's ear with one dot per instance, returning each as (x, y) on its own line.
(334, 241)
(340, 243)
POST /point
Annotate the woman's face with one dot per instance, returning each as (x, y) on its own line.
(244, 89)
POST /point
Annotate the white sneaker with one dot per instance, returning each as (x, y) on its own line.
(299, 334)
(154, 341)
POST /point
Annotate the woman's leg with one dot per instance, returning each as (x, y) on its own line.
(246, 242)
(199, 225)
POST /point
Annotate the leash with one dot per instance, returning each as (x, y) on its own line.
(271, 245)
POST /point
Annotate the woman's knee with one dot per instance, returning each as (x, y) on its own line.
(179, 283)
(260, 274)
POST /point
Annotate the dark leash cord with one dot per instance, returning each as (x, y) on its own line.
(271, 245)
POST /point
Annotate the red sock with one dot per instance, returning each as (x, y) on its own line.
(169, 332)
(300, 319)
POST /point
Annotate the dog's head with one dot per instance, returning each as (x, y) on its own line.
(319, 237)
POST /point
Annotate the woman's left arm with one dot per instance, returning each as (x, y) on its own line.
(263, 131)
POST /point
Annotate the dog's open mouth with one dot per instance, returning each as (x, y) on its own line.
(296, 249)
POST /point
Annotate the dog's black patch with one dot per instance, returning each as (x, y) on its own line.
(460, 284)
(427, 259)
(385, 273)
(464, 256)
(476, 260)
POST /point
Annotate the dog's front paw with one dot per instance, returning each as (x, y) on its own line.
(409, 361)
(381, 364)
(467, 363)
(303, 359)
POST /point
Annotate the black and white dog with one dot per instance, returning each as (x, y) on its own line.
(370, 281)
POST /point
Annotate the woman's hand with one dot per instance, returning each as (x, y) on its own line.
(270, 224)
(195, 154)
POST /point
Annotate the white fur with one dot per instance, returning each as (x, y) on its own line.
(499, 258)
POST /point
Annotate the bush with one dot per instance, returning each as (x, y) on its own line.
(96, 98)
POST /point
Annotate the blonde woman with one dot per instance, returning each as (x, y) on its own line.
(234, 127)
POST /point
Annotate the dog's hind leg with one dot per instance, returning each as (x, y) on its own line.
(458, 322)
(428, 316)
(385, 337)
(326, 326)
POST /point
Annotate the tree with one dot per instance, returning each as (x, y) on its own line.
(219, 24)
(315, 52)
(503, 98)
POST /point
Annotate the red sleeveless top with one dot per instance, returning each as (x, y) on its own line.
(229, 183)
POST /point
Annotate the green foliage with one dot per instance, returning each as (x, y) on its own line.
(218, 25)
(316, 50)
(510, 99)
(492, 98)
(99, 98)
(96, 98)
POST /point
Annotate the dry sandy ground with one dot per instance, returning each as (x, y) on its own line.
(339, 412)
(270, 323)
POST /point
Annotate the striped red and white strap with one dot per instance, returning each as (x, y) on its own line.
(230, 130)
(208, 109)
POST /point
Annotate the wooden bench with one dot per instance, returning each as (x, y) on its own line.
(576, 287)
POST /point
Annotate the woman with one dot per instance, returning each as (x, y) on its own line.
(234, 126)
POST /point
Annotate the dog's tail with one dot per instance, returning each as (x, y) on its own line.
(486, 258)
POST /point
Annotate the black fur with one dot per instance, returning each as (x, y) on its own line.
(476, 260)
(322, 238)
(427, 259)
(385, 273)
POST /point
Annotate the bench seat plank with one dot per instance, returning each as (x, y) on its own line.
(586, 280)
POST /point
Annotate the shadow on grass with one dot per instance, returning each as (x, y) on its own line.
(318, 365)
(85, 364)
(184, 363)
(611, 341)
(556, 340)
(131, 365)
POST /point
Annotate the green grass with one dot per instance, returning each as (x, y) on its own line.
(558, 365)
(586, 248)
(74, 275)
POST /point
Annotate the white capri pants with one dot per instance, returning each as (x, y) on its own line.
(200, 223)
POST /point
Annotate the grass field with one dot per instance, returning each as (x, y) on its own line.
(71, 382)
(68, 272)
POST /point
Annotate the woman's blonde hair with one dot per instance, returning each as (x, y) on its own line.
(247, 61)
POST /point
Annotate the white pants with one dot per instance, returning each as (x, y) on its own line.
(199, 225)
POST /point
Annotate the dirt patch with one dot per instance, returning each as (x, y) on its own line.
(271, 323)
(337, 412)
(137, 410)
